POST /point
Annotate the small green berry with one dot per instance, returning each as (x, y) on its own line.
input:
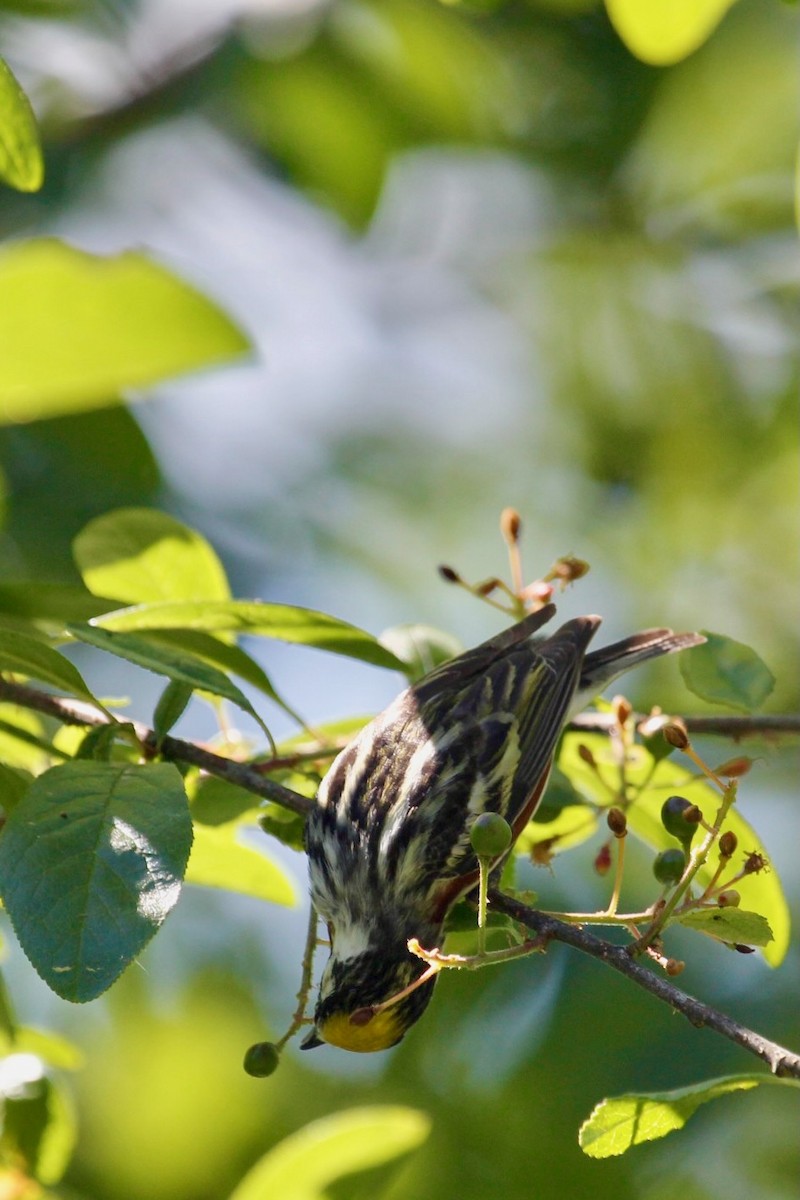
(490, 835)
(674, 818)
(669, 866)
(262, 1059)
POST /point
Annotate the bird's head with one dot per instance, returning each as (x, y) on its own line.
(352, 1010)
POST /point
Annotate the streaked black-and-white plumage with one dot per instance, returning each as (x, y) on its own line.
(389, 839)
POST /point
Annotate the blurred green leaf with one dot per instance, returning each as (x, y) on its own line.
(165, 660)
(39, 1126)
(52, 1048)
(51, 602)
(21, 735)
(219, 860)
(76, 329)
(619, 1123)
(27, 656)
(661, 32)
(21, 162)
(142, 554)
(304, 1165)
(284, 622)
(730, 925)
(91, 863)
(727, 672)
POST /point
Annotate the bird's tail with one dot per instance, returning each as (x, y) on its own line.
(600, 667)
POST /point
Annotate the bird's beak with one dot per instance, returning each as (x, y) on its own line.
(311, 1041)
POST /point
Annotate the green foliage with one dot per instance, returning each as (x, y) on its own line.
(91, 863)
(26, 656)
(724, 671)
(219, 860)
(305, 1165)
(76, 329)
(21, 161)
(731, 925)
(625, 1121)
(665, 31)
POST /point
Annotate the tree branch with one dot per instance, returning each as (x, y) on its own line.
(759, 725)
(780, 1061)
(73, 712)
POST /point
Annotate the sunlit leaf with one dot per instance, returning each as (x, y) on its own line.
(52, 1048)
(727, 672)
(21, 738)
(21, 162)
(619, 1123)
(51, 602)
(76, 328)
(142, 554)
(165, 660)
(91, 863)
(219, 860)
(304, 1165)
(286, 623)
(730, 925)
(39, 1126)
(665, 31)
(30, 657)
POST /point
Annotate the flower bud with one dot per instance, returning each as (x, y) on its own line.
(510, 525)
(585, 755)
(448, 574)
(727, 844)
(676, 735)
(622, 709)
(602, 862)
(734, 768)
(617, 822)
(674, 966)
(754, 863)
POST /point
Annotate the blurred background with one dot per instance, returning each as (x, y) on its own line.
(486, 256)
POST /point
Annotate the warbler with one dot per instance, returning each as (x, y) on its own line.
(388, 840)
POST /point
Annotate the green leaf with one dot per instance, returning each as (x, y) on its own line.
(304, 1165)
(760, 892)
(170, 707)
(141, 554)
(27, 656)
(91, 863)
(21, 162)
(727, 672)
(730, 925)
(226, 655)
(219, 860)
(420, 647)
(14, 783)
(284, 622)
(661, 32)
(164, 660)
(39, 1126)
(619, 1123)
(51, 602)
(76, 329)
(53, 1049)
(21, 735)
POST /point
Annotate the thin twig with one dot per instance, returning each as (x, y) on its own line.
(758, 725)
(74, 712)
(780, 1061)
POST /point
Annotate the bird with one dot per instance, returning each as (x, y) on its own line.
(388, 839)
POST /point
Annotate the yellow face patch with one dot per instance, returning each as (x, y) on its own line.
(378, 1034)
